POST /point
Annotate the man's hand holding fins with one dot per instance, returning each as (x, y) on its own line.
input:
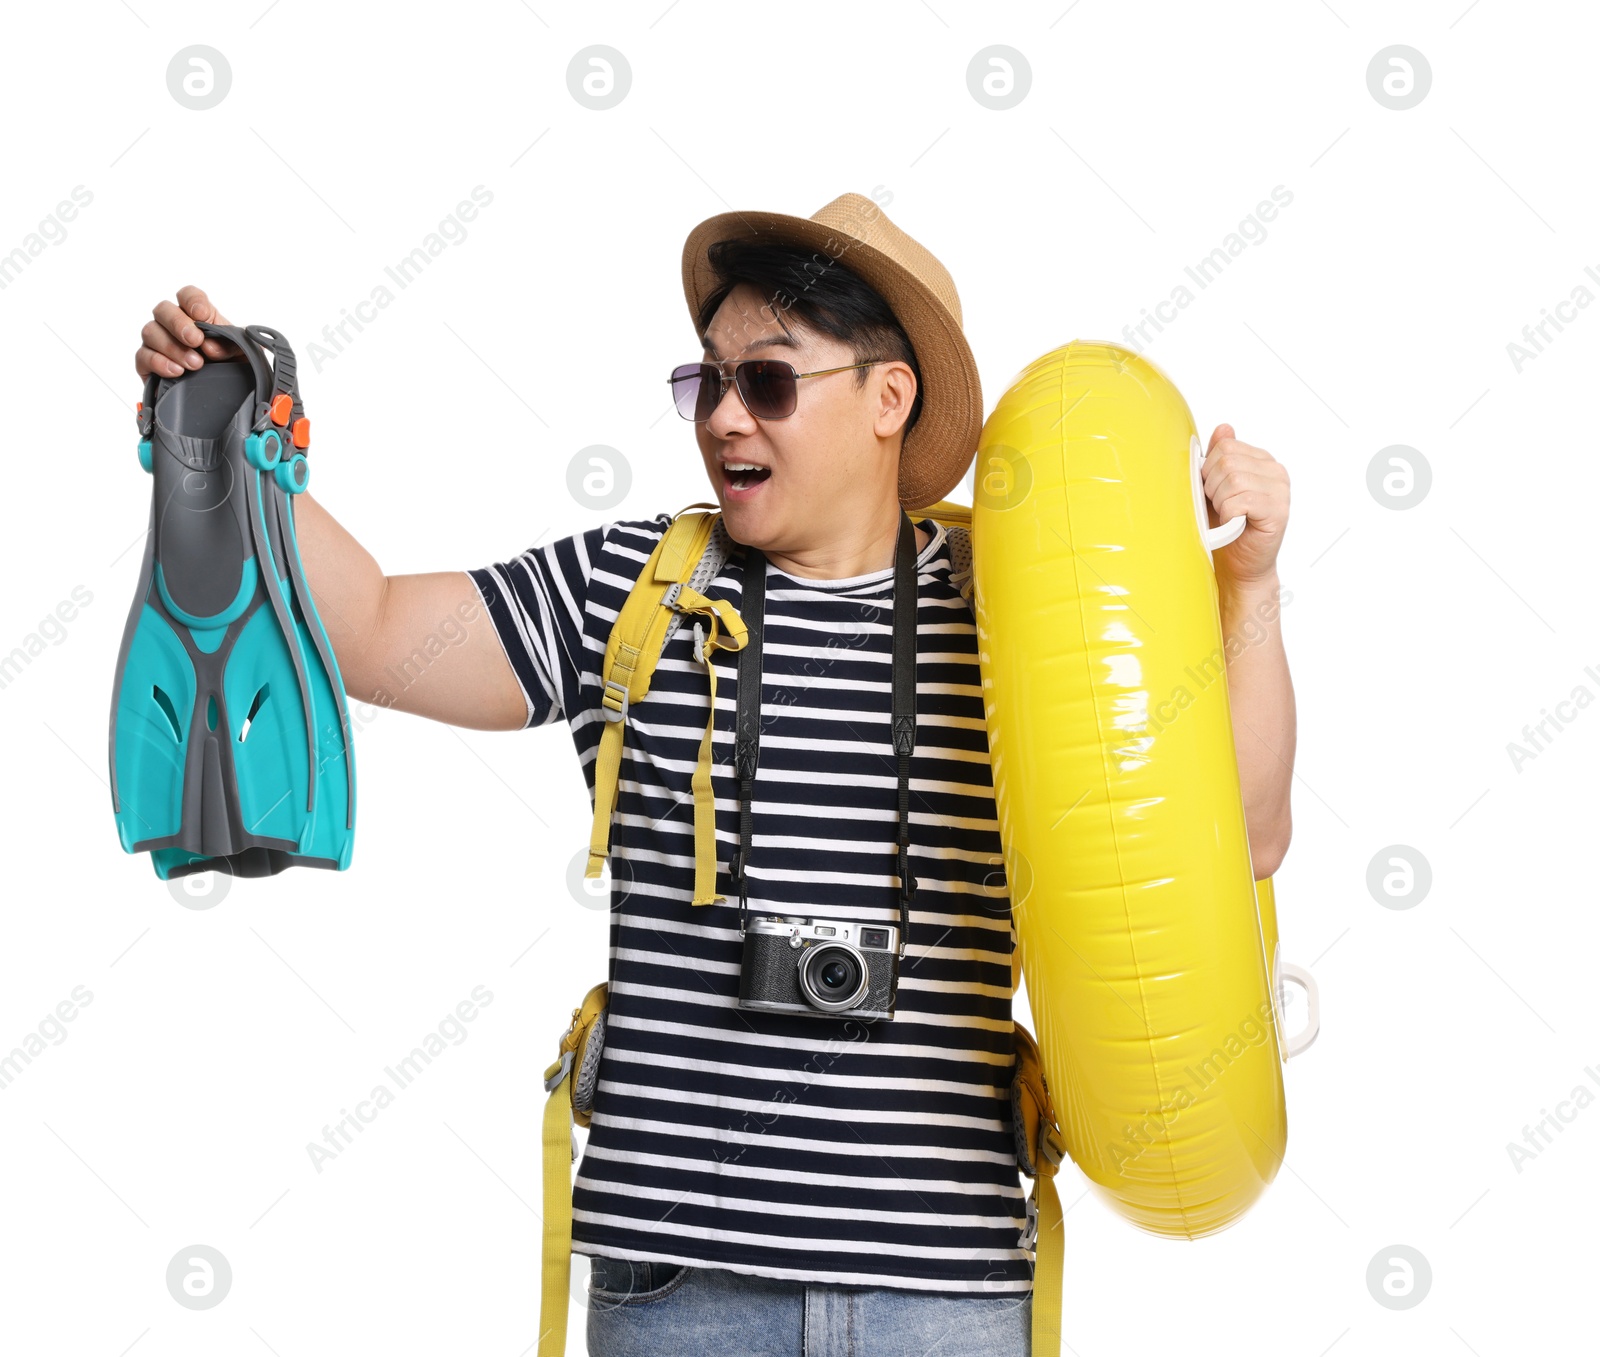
(170, 344)
(379, 625)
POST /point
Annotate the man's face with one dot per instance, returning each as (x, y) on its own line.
(823, 456)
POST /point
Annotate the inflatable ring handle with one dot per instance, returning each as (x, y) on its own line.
(1212, 537)
(1299, 975)
(1228, 532)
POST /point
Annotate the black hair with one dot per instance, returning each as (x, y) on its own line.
(821, 295)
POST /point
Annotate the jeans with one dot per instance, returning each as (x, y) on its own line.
(642, 1309)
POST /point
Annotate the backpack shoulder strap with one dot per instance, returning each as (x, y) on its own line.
(1040, 1150)
(961, 559)
(663, 594)
(957, 522)
(576, 1058)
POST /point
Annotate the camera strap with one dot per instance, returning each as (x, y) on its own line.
(747, 737)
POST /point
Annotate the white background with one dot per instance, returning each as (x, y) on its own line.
(1376, 311)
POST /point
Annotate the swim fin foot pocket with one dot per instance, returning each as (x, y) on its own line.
(230, 739)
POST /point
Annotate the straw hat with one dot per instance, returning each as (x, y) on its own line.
(854, 231)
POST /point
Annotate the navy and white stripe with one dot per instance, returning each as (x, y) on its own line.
(877, 1153)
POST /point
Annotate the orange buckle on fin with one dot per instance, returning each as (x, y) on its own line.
(300, 435)
(282, 405)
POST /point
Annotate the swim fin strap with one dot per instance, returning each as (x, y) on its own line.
(230, 739)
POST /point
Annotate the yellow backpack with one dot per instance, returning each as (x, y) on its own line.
(662, 598)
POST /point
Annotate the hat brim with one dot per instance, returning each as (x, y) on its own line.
(937, 453)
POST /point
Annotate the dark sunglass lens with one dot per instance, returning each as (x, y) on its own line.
(768, 388)
(689, 387)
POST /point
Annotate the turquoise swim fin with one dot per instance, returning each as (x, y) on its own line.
(230, 739)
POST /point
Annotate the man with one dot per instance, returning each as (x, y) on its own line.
(768, 1182)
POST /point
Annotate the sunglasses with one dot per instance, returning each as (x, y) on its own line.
(767, 386)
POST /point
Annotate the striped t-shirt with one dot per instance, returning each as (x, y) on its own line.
(820, 1149)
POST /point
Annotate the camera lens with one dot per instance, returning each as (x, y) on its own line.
(833, 977)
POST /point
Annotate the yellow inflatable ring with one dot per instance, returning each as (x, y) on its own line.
(1149, 950)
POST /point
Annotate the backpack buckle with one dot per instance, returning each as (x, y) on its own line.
(614, 710)
(557, 1072)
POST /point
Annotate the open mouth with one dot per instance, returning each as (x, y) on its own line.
(741, 483)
